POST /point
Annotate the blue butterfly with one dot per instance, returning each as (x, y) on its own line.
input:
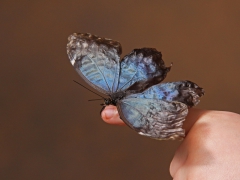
(151, 108)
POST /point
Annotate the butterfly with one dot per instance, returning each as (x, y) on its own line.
(133, 85)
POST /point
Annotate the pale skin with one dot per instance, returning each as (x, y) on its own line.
(211, 149)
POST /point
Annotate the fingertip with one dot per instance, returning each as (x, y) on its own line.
(108, 113)
(110, 116)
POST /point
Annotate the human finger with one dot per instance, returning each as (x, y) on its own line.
(110, 115)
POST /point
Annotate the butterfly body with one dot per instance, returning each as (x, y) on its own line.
(133, 84)
(114, 98)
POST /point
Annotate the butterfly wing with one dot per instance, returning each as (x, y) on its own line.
(160, 110)
(186, 92)
(154, 118)
(141, 69)
(97, 60)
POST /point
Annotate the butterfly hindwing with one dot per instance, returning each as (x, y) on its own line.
(141, 69)
(154, 118)
(97, 60)
(159, 111)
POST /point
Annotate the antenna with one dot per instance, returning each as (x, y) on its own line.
(88, 89)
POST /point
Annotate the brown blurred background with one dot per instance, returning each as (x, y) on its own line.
(48, 129)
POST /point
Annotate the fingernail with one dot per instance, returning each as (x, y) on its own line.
(109, 113)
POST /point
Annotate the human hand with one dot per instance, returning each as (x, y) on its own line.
(211, 149)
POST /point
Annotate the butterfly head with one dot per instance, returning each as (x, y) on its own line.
(114, 98)
(109, 101)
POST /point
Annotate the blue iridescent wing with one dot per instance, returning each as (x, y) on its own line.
(159, 111)
(97, 60)
(141, 69)
(154, 118)
(186, 92)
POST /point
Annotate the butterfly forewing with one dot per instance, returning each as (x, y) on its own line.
(96, 60)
